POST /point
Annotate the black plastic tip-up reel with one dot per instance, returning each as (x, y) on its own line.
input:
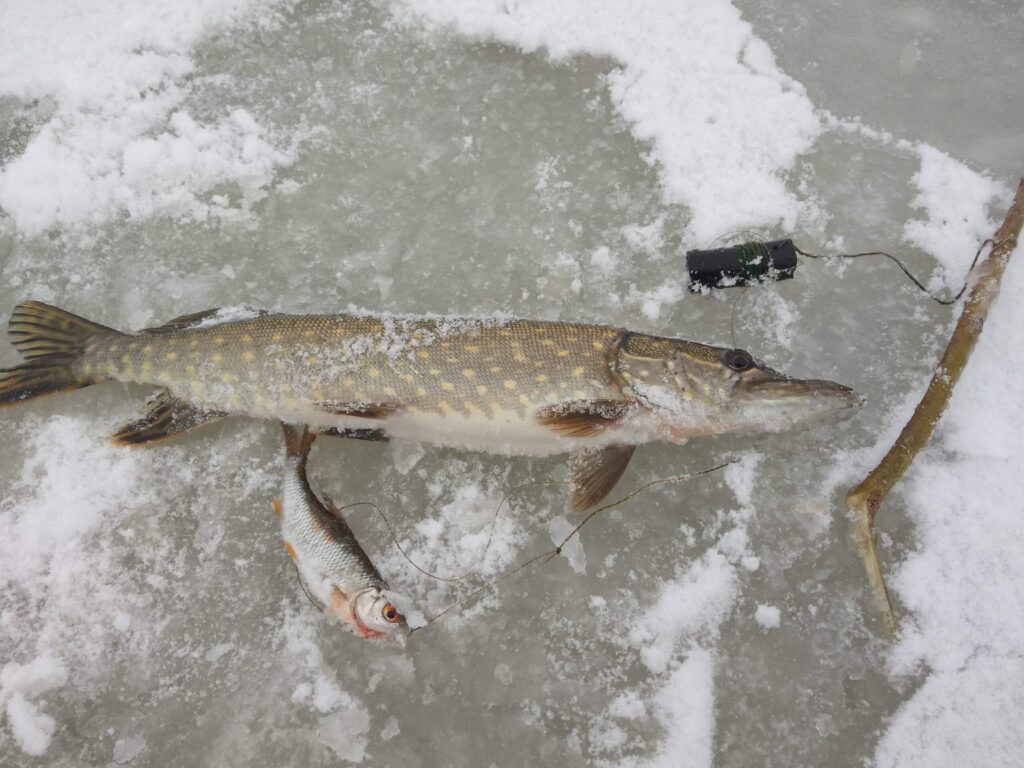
(742, 264)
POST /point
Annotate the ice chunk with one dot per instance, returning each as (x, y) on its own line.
(767, 616)
(345, 733)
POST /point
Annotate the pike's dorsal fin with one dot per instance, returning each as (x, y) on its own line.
(595, 473)
(165, 416)
(182, 322)
(363, 410)
(582, 418)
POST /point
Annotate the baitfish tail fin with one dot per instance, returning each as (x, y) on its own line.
(297, 441)
(52, 341)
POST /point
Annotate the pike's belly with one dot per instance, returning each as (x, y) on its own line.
(507, 434)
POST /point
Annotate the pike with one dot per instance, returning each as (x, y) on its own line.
(515, 387)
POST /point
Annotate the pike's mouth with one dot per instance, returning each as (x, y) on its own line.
(784, 389)
(803, 400)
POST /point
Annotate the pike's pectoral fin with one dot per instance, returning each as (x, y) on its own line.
(374, 435)
(582, 418)
(362, 410)
(594, 473)
(278, 508)
(165, 416)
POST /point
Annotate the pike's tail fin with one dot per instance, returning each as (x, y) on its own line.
(297, 441)
(52, 341)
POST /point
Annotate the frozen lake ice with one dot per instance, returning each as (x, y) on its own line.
(550, 160)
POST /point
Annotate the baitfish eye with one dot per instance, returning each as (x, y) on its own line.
(737, 359)
(391, 613)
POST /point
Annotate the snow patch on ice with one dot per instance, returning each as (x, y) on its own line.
(691, 606)
(19, 684)
(956, 201)
(685, 708)
(119, 139)
(969, 716)
(726, 159)
(768, 616)
(964, 585)
(345, 722)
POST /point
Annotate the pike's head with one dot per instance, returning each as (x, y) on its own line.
(694, 389)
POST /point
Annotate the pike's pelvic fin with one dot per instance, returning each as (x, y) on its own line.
(165, 416)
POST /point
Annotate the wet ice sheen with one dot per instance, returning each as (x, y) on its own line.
(307, 157)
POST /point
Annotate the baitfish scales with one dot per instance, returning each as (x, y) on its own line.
(501, 385)
(334, 570)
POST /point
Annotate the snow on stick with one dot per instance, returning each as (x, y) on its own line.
(864, 501)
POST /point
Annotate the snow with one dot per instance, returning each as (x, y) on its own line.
(962, 584)
(120, 138)
(726, 159)
(148, 183)
(956, 200)
(768, 616)
(19, 684)
(685, 708)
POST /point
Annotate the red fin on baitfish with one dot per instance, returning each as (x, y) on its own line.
(165, 416)
(582, 418)
(52, 341)
(595, 473)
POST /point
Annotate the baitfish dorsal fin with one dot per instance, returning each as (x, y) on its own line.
(594, 473)
(582, 418)
(165, 416)
(182, 322)
(363, 410)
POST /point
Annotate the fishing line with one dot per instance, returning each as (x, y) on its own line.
(732, 316)
(550, 554)
(490, 533)
(937, 299)
(760, 260)
(312, 600)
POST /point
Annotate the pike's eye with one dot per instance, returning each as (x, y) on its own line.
(738, 360)
(391, 614)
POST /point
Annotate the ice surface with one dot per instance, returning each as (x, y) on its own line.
(543, 159)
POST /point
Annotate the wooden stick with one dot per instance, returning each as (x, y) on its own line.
(864, 501)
